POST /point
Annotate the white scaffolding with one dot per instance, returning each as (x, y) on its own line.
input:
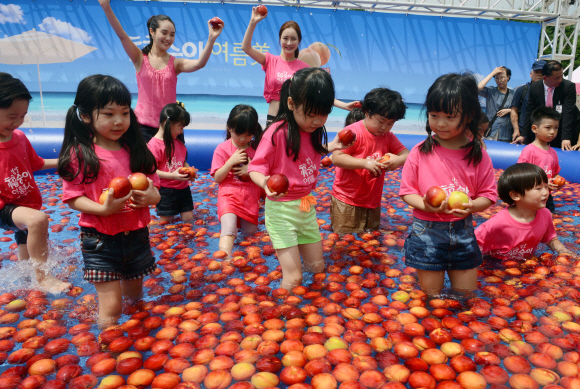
(562, 15)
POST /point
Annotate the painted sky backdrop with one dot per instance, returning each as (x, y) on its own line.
(403, 52)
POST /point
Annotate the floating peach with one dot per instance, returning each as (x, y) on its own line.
(42, 367)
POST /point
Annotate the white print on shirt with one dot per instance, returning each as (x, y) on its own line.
(283, 76)
(548, 171)
(16, 182)
(455, 186)
(520, 252)
(307, 170)
(375, 155)
(174, 165)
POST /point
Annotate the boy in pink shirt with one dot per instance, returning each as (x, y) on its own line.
(515, 232)
(545, 122)
(360, 169)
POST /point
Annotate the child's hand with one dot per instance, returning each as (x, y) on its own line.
(391, 164)
(462, 213)
(273, 195)
(180, 176)
(373, 166)
(145, 198)
(564, 250)
(429, 208)
(335, 144)
(239, 156)
(551, 185)
(240, 171)
(352, 105)
(113, 205)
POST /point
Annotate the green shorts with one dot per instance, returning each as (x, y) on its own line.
(288, 226)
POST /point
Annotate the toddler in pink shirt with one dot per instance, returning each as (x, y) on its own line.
(515, 232)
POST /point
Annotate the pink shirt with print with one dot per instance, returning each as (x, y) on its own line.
(546, 159)
(271, 159)
(358, 187)
(113, 164)
(447, 169)
(277, 71)
(157, 147)
(505, 238)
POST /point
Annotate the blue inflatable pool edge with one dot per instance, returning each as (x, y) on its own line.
(202, 143)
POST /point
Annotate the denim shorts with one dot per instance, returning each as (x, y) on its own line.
(441, 246)
(6, 223)
(123, 256)
(174, 201)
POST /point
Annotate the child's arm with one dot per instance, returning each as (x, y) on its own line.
(131, 48)
(557, 246)
(477, 205)
(347, 161)
(261, 180)
(239, 156)
(85, 205)
(49, 164)
(256, 55)
(191, 65)
(346, 106)
(420, 203)
(173, 175)
(145, 198)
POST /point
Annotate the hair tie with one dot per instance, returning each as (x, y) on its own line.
(180, 104)
(78, 112)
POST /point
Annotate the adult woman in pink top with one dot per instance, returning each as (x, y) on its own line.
(279, 68)
(156, 69)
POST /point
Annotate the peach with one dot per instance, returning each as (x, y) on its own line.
(68, 372)
(104, 367)
(397, 373)
(166, 381)
(516, 364)
(195, 374)
(372, 379)
(111, 382)
(128, 365)
(264, 380)
(522, 381)
(495, 375)
(335, 343)
(324, 381)
(243, 371)
(32, 382)
(442, 372)
(294, 358)
(471, 380)
(420, 379)
(293, 375)
(42, 367)
(345, 372)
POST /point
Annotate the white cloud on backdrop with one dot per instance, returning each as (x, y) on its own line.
(54, 26)
(11, 13)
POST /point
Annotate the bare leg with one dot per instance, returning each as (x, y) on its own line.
(227, 243)
(431, 282)
(186, 216)
(110, 302)
(132, 289)
(291, 267)
(229, 232)
(312, 255)
(463, 281)
(36, 222)
(248, 228)
(166, 218)
(23, 252)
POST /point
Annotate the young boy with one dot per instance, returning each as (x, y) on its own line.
(20, 199)
(515, 232)
(545, 123)
(358, 186)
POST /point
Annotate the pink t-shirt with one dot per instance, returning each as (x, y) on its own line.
(447, 169)
(157, 148)
(358, 187)
(504, 237)
(18, 162)
(156, 89)
(546, 159)
(113, 164)
(277, 71)
(271, 159)
(235, 196)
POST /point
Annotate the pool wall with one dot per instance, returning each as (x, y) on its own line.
(202, 143)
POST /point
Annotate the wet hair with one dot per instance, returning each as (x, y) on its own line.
(176, 113)
(550, 67)
(311, 89)
(153, 24)
(93, 94)
(11, 89)
(296, 27)
(243, 119)
(356, 115)
(508, 71)
(384, 102)
(453, 93)
(518, 178)
(542, 113)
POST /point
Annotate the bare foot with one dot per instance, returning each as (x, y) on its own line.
(53, 285)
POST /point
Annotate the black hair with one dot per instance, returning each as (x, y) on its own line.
(384, 102)
(176, 113)
(244, 119)
(11, 89)
(356, 115)
(453, 93)
(508, 71)
(93, 94)
(311, 89)
(542, 113)
(484, 119)
(518, 178)
(153, 24)
(550, 67)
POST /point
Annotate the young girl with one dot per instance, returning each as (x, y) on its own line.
(238, 197)
(20, 199)
(293, 146)
(442, 239)
(102, 141)
(171, 155)
(156, 69)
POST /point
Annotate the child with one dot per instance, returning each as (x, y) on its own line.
(102, 141)
(171, 155)
(442, 239)
(545, 122)
(515, 232)
(483, 125)
(356, 194)
(238, 197)
(293, 146)
(20, 199)
(354, 116)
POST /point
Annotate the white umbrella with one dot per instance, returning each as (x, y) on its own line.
(36, 47)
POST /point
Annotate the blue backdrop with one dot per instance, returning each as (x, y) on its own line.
(403, 52)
